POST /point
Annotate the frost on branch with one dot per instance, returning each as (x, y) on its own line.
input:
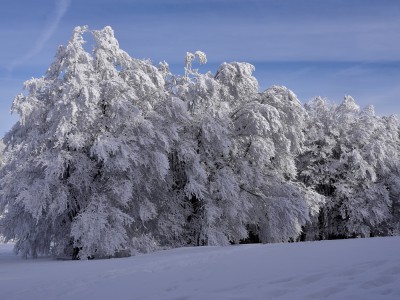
(190, 57)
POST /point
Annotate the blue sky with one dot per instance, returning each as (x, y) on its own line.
(316, 48)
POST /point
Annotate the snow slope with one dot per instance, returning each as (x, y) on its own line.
(345, 269)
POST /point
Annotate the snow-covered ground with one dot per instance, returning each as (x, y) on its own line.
(346, 269)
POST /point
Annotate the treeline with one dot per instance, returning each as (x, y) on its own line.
(112, 154)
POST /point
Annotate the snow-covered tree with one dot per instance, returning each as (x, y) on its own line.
(269, 137)
(350, 155)
(112, 154)
(237, 159)
(87, 155)
(203, 165)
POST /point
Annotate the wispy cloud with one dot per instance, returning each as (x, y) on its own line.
(61, 7)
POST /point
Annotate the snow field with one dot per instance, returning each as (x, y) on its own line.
(345, 269)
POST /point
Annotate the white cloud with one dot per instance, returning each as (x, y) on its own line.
(61, 7)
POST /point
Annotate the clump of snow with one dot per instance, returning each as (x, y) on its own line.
(343, 269)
